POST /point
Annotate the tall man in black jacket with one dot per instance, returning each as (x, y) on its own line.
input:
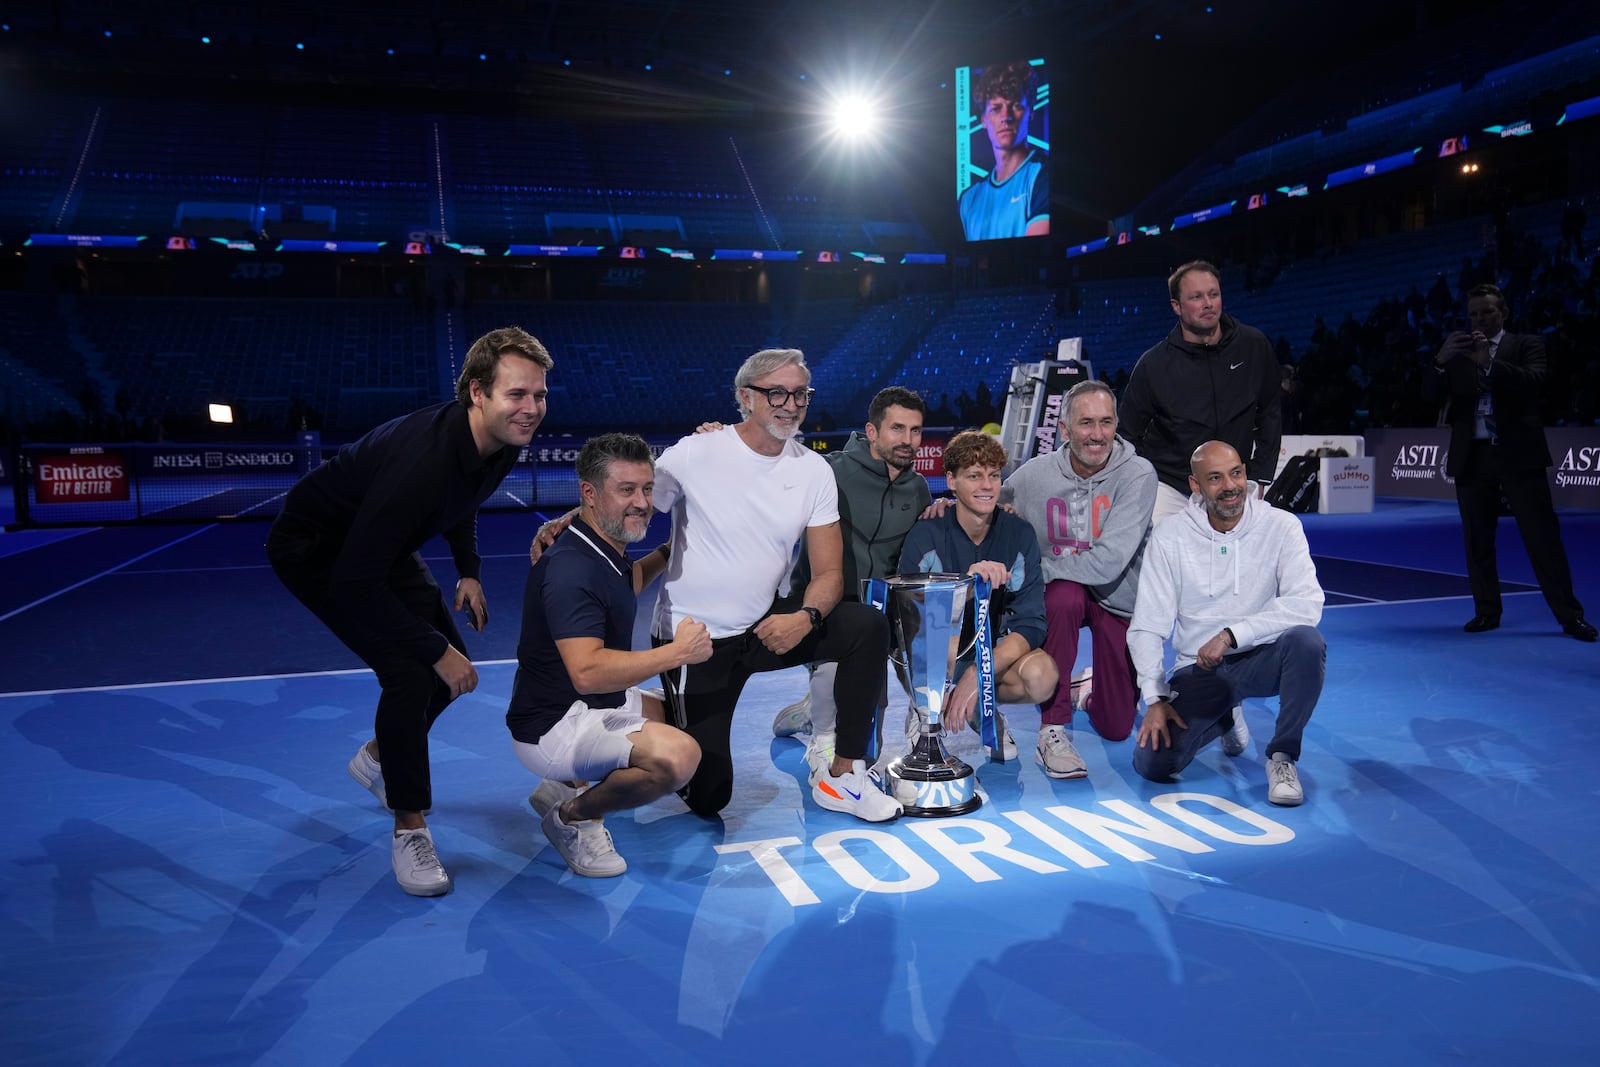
(346, 545)
(1212, 379)
(1493, 380)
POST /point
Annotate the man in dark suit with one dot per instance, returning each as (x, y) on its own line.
(1492, 380)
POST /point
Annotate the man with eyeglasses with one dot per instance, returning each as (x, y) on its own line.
(740, 498)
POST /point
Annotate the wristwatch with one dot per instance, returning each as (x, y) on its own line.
(816, 617)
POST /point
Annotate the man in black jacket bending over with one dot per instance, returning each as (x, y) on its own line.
(346, 545)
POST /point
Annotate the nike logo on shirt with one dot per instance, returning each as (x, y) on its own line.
(1236, 366)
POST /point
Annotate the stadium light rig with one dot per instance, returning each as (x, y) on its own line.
(853, 117)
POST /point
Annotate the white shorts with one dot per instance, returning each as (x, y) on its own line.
(587, 744)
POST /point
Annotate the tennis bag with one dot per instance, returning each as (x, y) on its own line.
(1295, 488)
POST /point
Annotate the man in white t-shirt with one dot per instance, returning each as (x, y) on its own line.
(740, 499)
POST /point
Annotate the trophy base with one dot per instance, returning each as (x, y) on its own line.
(930, 783)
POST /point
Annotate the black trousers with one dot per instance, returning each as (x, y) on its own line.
(1486, 476)
(412, 696)
(701, 696)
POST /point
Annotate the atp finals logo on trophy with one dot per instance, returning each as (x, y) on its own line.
(925, 615)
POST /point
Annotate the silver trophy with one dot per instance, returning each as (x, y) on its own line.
(925, 616)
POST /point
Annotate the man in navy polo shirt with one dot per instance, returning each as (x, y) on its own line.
(576, 713)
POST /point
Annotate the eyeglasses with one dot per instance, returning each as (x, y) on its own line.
(778, 396)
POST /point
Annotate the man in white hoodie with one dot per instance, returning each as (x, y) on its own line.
(1231, 581)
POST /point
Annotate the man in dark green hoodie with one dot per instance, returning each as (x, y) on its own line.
(880, 497)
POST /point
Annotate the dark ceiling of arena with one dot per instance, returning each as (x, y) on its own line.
(1140, 88)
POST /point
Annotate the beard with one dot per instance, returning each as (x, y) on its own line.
(1227, 509)
(617, 528)
(901, 462)
(778, 431)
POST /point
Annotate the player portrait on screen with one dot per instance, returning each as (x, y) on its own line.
(1011, 198)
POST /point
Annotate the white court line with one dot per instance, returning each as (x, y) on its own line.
(110, 570)
(218, 681)
(66, 535)
(1420, 599)
(1396, 566)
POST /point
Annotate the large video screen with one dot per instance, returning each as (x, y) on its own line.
(1003, 150)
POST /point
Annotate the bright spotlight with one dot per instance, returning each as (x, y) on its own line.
(854, 117)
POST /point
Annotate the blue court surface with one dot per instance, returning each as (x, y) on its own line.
(191, 877)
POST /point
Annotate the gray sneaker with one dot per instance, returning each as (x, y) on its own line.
(794, 718)
(551, 793)
(585, 845)
(416, 865)
(1237, 739)
(1283, 781)
(1057, 754)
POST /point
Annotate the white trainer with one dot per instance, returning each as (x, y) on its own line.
(794, 718)
(416, 864)
(1237, 739)
(1057, 754)
(369, 772)
(585, 845)
(1283, 781)
(854, 793)
(819, 757)
(552, 793)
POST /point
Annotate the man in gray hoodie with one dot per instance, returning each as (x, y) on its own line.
(1089, 503)
(1231, 581)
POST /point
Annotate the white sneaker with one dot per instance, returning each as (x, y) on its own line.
(585, 845)
(551, 793)
(1082, 686)
(794, 718)
(819, 757)
(1237, 739)
(1056, 754)
(854, 793)
(1283, 781)
(369, 772)
(417, 866)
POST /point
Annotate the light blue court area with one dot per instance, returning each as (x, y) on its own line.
(191, 876)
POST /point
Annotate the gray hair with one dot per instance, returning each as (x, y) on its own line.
(1083, 388)
(762, 364)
